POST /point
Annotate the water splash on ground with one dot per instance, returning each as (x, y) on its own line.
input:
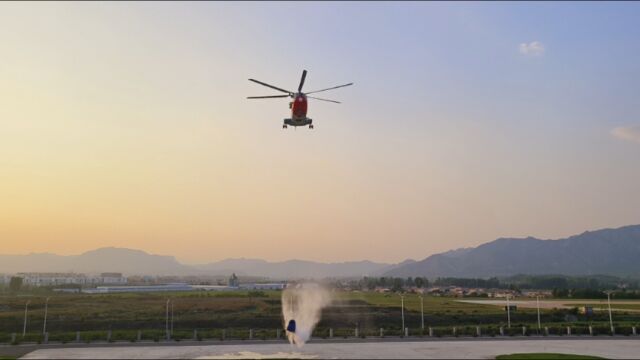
(303, 303)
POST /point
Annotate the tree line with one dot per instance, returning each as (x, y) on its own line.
(562, 286)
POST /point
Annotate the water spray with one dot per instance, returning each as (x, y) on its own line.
(302, 307)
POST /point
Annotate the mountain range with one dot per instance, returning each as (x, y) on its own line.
(606, 251)
(137, 262)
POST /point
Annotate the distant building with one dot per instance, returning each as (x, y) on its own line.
(214, 288)
(380, 289)
(53, 279)
(503, 294)
(111, 278)
(272, 286)
(537, 293)
(233, 280)
(139, 288)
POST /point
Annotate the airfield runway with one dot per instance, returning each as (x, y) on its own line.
(599, 305)
(436, 349)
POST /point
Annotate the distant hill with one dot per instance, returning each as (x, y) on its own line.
(126, 261)
(388, 268)
(607, 251)
(137, 262)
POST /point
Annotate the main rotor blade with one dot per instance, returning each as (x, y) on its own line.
(331, 88)
(271, 86)
(317, 98)
(304, 75)
(267, 97)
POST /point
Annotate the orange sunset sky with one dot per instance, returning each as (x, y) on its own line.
(127, 124)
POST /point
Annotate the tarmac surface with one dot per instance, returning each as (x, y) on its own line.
(599, 305)
(612, 348)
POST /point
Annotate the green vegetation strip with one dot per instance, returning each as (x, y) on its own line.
(230, 315)
(543, 356)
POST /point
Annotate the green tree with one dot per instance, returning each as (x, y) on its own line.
(398, 285)
(371, 283)
(15, 284)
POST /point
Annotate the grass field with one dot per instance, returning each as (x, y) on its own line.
(237, 311)
(412, 303)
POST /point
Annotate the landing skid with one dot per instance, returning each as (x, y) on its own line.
(298, 122)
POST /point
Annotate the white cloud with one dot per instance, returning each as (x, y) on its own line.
(535, 48)
(629, 133)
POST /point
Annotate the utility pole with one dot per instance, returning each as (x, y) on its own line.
(610, 316)
(538, 306)
(402, 306)
(26, 309)
(508, 313)
(167, 320)
(46, 308)
(172, 318)
(422, 310)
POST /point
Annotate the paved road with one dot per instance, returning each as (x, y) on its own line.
(560, 304)
(442, 349)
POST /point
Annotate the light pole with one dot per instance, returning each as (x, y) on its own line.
(422, 310)
(508, 313)
(167, 320)
(26, 309)
(610, 316)
(538, 306)
(172, 318)
(46, 308)
(402, 307)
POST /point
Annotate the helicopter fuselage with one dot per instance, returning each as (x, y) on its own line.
(298, 111)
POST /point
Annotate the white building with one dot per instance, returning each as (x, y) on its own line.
(52, 279)
(139, 288)
(273, 286)
(110, 279)
(5, 279)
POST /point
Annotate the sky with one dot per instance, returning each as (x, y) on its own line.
(127, 125)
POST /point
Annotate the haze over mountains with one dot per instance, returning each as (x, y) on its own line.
(607, 251)
(137, 262)
(126, 261)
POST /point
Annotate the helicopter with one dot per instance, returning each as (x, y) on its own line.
(298, 105)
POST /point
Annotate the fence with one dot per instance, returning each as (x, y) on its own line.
(160, 335)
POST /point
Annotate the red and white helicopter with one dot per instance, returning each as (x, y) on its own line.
(299, 104)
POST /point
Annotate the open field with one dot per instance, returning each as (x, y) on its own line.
(432, 304)
(443, 349)
(229, 315)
